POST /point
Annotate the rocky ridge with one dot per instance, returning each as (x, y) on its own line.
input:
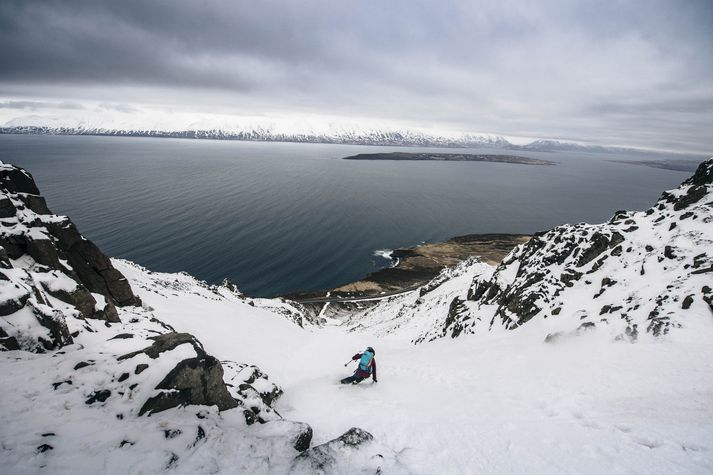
(639, 274)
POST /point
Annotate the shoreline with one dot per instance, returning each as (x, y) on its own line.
(416, 266)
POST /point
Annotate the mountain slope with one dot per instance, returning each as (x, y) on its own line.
(94, 382)
(642, 274)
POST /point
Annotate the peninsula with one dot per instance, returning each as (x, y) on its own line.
(450, 157)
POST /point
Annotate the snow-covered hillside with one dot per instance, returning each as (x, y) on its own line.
(118, 369)
(502, 402)
(94, 382)
(640, 275)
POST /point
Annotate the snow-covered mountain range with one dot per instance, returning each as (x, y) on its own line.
(594, 340)
(285, 130)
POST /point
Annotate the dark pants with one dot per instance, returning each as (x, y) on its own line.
(353, 379)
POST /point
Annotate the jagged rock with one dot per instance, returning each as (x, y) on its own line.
(13, 303)
(303, 437)
(194, 381)
(53, 320)
(8, 342)
(61, 241)
(454, 310)
(17, 180)
(93, 269)
(44, 252)
(597, 245)
(98, 396)
(570, 276)
(538, 275)
(108, 313)
(7, 209)
(79, 297)
(57, 251)
(325, 457)
(35, 203)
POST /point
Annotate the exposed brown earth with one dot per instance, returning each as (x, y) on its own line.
(418, 265)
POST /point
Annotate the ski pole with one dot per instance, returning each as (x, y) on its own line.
(345, 364)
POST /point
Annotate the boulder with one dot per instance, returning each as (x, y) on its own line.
(325, 458)
(194, 381)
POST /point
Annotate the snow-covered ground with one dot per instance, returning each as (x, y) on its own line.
(497, 403)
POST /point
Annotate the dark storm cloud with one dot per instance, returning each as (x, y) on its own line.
(607, 71)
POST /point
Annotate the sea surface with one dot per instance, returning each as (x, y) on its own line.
(282, 217)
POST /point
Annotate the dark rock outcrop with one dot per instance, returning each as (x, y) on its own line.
(194, 381)
(56, 249)
(536, 278)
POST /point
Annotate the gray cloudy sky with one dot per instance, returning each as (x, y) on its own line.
(616, 72)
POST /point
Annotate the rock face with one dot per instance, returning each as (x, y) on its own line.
(638, 273)
(193, 381)
(47, 266)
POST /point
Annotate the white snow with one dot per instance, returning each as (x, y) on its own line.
(503, 402)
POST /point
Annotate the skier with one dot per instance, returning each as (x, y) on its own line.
(366, 367)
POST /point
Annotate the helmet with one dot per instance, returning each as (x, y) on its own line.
(371, 350)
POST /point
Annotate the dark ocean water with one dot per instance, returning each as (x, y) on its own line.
(278, 217)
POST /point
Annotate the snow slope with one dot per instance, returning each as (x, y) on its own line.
(504, 403)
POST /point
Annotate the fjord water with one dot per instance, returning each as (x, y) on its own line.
(282, 217)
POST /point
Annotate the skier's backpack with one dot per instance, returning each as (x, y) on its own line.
(365, 361)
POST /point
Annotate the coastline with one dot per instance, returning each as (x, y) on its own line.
(416, 266)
